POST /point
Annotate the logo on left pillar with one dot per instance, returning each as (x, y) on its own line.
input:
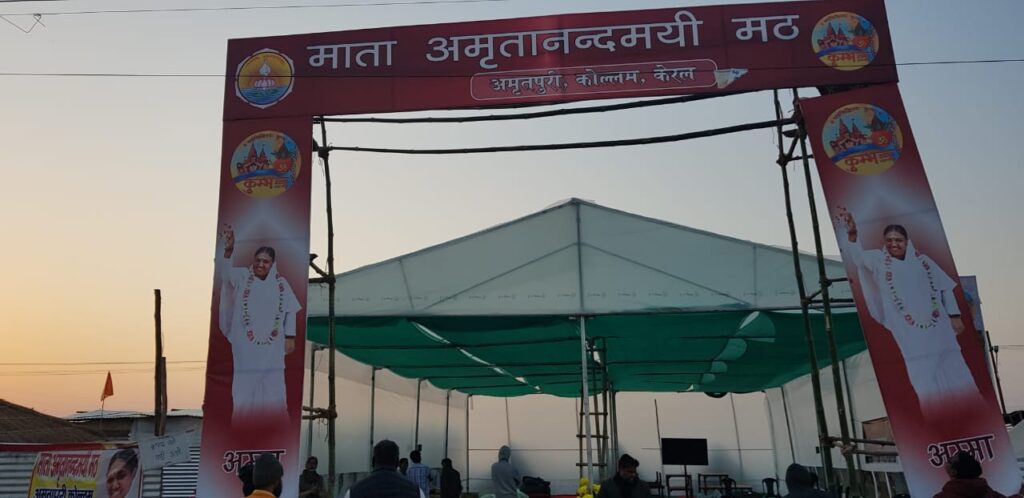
(264, 78)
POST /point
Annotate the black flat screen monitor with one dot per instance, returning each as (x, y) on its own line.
(684, 451)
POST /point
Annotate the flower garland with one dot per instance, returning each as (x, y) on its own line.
(247, 320)
(913, 322)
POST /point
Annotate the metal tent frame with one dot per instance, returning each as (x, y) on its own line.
(818, 299)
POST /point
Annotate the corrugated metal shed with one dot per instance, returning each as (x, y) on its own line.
(179, 480)
(15, 473)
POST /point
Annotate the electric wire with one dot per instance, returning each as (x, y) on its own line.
(451, 75)
(532, 115)
(90, 363)
(167, 10)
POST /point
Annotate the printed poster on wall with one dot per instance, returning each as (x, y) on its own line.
(917, 323)
(113, 473)
(258, 318)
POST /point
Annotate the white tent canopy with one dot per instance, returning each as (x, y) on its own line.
(577, 258)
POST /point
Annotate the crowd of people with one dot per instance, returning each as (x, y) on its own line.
(395, 477)
(391, 476)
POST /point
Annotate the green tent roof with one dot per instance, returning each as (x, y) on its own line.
(668, 308)
(498, 356)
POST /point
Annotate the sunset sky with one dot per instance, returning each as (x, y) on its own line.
(111, 181)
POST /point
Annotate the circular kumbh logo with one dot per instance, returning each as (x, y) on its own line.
(264, 78)
(862, 139)
(845, 41)
(265, 164)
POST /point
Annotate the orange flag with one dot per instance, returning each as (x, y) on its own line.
(108, 388)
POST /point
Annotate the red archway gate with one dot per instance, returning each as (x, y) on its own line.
(277, 85)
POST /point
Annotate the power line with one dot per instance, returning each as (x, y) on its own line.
(534, 115)
(90, 363)
(579, 145)
(253, 7)
(96, 372)
(411, 75)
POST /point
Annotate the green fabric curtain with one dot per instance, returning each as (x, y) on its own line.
(733, 351)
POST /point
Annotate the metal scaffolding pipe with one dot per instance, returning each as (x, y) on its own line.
(373, 407)
(416, 436)
(586, 398)
(615, 425)
(819, 408)
(332, 405)
(312, 385)
(447, 412)
(468, 396)
(824, 283)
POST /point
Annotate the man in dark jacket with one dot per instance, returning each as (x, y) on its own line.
(625, 484)
(965, 479)
(800, 483)
(451, 481)
(384, 481)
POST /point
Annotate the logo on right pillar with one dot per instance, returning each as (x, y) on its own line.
(862, 139)
(845, 41)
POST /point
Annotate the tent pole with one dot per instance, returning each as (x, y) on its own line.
(416, 435)
(615, 426)
(373, 407)
(789, 431)
(579, 429)
(332, 405)
(607, 440)
(853, 412)
(586, 397)
(467, 441)
(812, 357)
(447, 412)
(508, 425)
(597, 433)
(312, 385)
(736, 428)
(771, 434)
(826, 304)
(657, 428)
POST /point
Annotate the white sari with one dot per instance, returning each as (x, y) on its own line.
(256, 316)
(913, 298)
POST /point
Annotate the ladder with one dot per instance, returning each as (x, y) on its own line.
(598, 404)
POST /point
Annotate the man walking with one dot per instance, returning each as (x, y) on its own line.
(418, 473)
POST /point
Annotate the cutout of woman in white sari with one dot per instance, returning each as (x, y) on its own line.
(910, 295)
(257, 316)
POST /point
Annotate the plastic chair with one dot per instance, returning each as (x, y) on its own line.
(686, 488)
(770, 485)
(730, 487)
(657, 485)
